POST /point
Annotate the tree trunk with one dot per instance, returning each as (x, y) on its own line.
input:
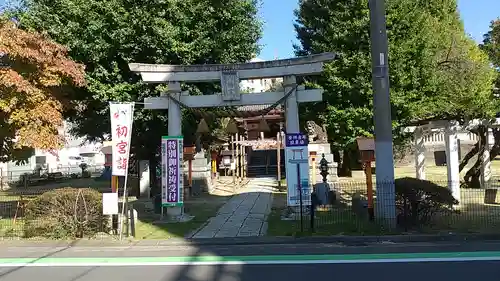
(469, 156)
(155, 185)
(337, 157)
(473, 174)
(345, 167)
(472, 177)
(495, 150)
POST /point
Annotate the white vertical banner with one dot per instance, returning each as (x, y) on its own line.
(122, 115)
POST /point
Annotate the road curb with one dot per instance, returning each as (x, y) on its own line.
(346, 240)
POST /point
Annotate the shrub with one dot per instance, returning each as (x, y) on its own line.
(65, 213)
(418, 201)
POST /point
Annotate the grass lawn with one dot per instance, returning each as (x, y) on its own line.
(338, 220)
(202, 207)
(473, 216)
(437, 174)
(10, 229)
(432, 173)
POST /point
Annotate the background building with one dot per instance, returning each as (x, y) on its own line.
(66, 160)
(259, 85)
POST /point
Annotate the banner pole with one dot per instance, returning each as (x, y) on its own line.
(124, 204)
(124, 215)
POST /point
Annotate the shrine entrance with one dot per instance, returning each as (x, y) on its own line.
(264, 142)
(230, 76)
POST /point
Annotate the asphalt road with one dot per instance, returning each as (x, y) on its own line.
(454, 261)
(429, 271)
(35, 250)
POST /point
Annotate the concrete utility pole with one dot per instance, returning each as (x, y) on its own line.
(382, 113)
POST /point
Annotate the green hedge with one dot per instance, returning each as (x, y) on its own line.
(419, 201)
(65, 213)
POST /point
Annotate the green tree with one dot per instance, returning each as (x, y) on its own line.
(107, 35)
(471, 78)
(428, 50)
(491, 42)
(491, 45)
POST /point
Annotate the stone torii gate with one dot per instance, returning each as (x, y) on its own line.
(450, 130)
(230, 75)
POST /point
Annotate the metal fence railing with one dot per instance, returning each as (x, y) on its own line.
(50, 212)
(414, 207)
(27, 177)
(61, 208)
(338, 209)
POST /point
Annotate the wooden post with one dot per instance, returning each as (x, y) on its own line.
(190, 174)
(240, 157)
(214, 168)
(114, 188)
(213, 158)
(278, 157)
(244, 154)
(232, 159)
(188, 156)
(237, 157)
(1, 178)
(366, 148)
(114, 183)
(369, 189)
(313, 165)
(243, 159)
(267, 164)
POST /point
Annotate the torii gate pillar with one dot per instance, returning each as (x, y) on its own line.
(174, 110)
(174, 128)
(292, 106)
(451, 148)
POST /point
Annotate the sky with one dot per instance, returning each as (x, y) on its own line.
(279, 34)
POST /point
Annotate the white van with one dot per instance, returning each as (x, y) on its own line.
(75, 161)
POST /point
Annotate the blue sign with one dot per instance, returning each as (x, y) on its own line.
(296, 139)
(297, 169)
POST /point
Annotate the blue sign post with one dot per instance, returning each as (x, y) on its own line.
(297, 170)
(297, 178)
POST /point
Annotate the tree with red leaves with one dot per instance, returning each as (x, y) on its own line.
(36, 79)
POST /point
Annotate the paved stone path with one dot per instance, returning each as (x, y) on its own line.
(244, 215)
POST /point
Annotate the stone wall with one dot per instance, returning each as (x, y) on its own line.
(332, 173)
(202, 180)
(407, 158)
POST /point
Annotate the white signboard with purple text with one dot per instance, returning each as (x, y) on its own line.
(297, 169)
(122, 115)
(172, 178)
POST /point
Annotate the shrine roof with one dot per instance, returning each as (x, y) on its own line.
(256, 107)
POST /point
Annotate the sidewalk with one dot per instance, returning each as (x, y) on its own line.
(94, 250)
(244, 215)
